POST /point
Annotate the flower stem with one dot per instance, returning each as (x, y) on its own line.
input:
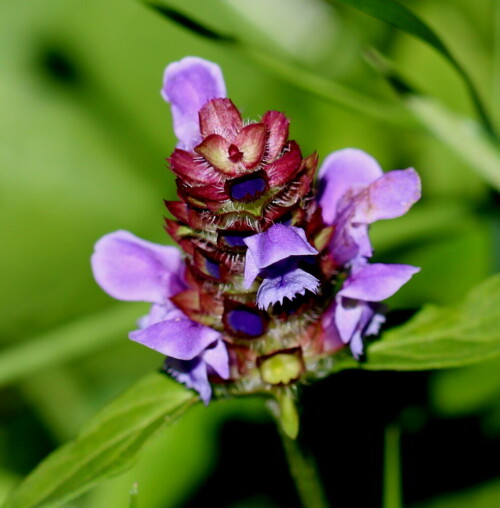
(304, 473)
(393, 497)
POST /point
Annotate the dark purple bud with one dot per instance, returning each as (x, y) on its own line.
(233, 240)
(243, 321)
(247, 188)
(213, 268)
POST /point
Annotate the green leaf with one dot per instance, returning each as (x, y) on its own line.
(440, 337)
(67, 342)
(444, 337)
(473, 389)
(401, 17)
(180, 459)
(107, 446)
(7, 481)
(329, 90)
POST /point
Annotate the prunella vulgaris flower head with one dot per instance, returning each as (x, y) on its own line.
(272, 273)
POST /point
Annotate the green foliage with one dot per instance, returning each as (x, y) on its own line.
(471, 143)
(179, 459)
(82, 153)
(465, 138)
(438, 337)
(191, 24)
(399, 16)
(483, 496)
(107, 446)
(287, 71)
(63, 344)
(134, 494)
(472, 391)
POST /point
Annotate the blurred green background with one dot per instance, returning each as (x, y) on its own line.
(83, 138)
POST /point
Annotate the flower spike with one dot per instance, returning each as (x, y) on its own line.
(272, 272)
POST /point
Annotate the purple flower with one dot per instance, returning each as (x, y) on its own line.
(254, 231)
(275, 255)
(132, 269)
(193, 350)
(354, 310)
(355, 194)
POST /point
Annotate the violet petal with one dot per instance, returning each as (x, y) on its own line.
(343, 171)
(178, 338)
(193, 374)
(218, 359)
(289, 285)
(132, 269)
(277, 243)
(388, 197)
(332, 339)
(188, 85)
(356, 345)
(376, 282)
(350, 243)
(157, 313)
(369, 324)
(373, 327)
(348, 314)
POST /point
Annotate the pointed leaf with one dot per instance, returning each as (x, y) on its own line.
(440, 337)
(107, 446)
(444, 337)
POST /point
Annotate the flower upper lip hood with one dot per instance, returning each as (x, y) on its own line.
(274, 271)
(275, 255)
(188, 85)
(355, 193)
(277, 244)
